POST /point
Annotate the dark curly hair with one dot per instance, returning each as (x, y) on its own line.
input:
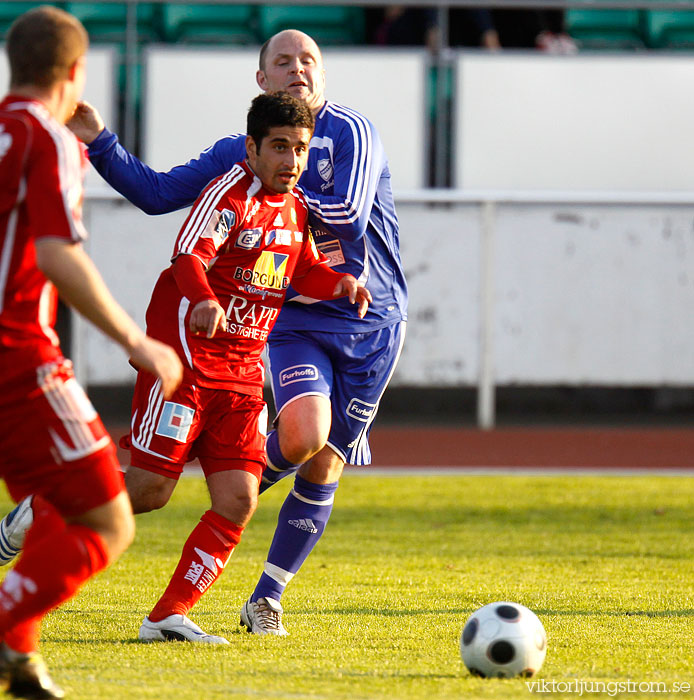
(276, 109)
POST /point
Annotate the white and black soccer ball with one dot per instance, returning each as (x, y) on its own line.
(502, 640)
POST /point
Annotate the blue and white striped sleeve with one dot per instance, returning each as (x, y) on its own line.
(358, 166)
(161, 192)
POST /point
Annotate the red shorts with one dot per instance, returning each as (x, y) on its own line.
(225, 430)
(52, 441)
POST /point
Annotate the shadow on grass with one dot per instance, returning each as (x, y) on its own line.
(687, 612)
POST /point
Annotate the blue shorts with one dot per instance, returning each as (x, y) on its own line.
(351, 369)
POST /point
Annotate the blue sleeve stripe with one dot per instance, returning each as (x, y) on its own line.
(351, 209)
(361, 164)
(201, 212)
(231, 137)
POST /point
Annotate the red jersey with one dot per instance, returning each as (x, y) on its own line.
(252, 243)
(41, 173)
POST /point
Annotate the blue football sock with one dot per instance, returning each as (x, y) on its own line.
(300, 524)
(277, 466)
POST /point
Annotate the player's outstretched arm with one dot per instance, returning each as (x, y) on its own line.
(81, 286)
(152, 191)
(356, 293)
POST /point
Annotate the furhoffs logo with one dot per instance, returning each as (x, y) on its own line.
(360, 410)
(298, 373)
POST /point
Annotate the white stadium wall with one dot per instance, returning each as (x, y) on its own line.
(197, 96)
(577, 293)
(585, 122)
(582, 294)
(130, 249)
(594, 295)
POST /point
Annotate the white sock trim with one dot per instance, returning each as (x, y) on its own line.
(270, 465)
(303, 499)
(282, 576)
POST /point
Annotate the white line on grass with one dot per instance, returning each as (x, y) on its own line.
(195, 471)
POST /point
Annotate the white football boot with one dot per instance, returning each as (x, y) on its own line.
(13, 530)
(263, 617)
(176, 628)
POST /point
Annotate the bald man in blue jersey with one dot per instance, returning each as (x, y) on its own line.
(329, 368)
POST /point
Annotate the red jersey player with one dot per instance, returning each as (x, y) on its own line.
(53, 444)
(244, 240)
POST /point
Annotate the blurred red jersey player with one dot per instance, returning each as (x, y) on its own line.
(53, 444)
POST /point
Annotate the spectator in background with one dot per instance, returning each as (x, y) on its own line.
(397, 25)
(472, 27)
(541, 29)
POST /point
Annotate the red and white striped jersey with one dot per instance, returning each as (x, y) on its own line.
(252, 242)
(41, 173)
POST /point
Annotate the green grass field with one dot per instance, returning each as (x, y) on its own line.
(377, 611)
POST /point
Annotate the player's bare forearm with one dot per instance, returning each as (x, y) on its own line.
(81, 286)
(79, 283)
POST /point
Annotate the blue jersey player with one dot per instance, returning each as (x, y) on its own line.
(329, 368)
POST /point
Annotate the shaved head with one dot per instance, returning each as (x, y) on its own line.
(291, 61)
(291, 35)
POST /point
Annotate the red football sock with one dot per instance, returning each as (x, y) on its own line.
(51, 569)
(204, 557)
(47, 521)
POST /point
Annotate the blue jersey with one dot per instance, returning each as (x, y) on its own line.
(347, 187)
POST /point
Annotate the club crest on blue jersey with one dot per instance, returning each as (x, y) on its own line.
(361, 410)
(325, 168)
(249, 238)
(298, 373)
(175, 421)
(269, 271)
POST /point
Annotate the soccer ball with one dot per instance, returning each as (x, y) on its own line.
(503, 640)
